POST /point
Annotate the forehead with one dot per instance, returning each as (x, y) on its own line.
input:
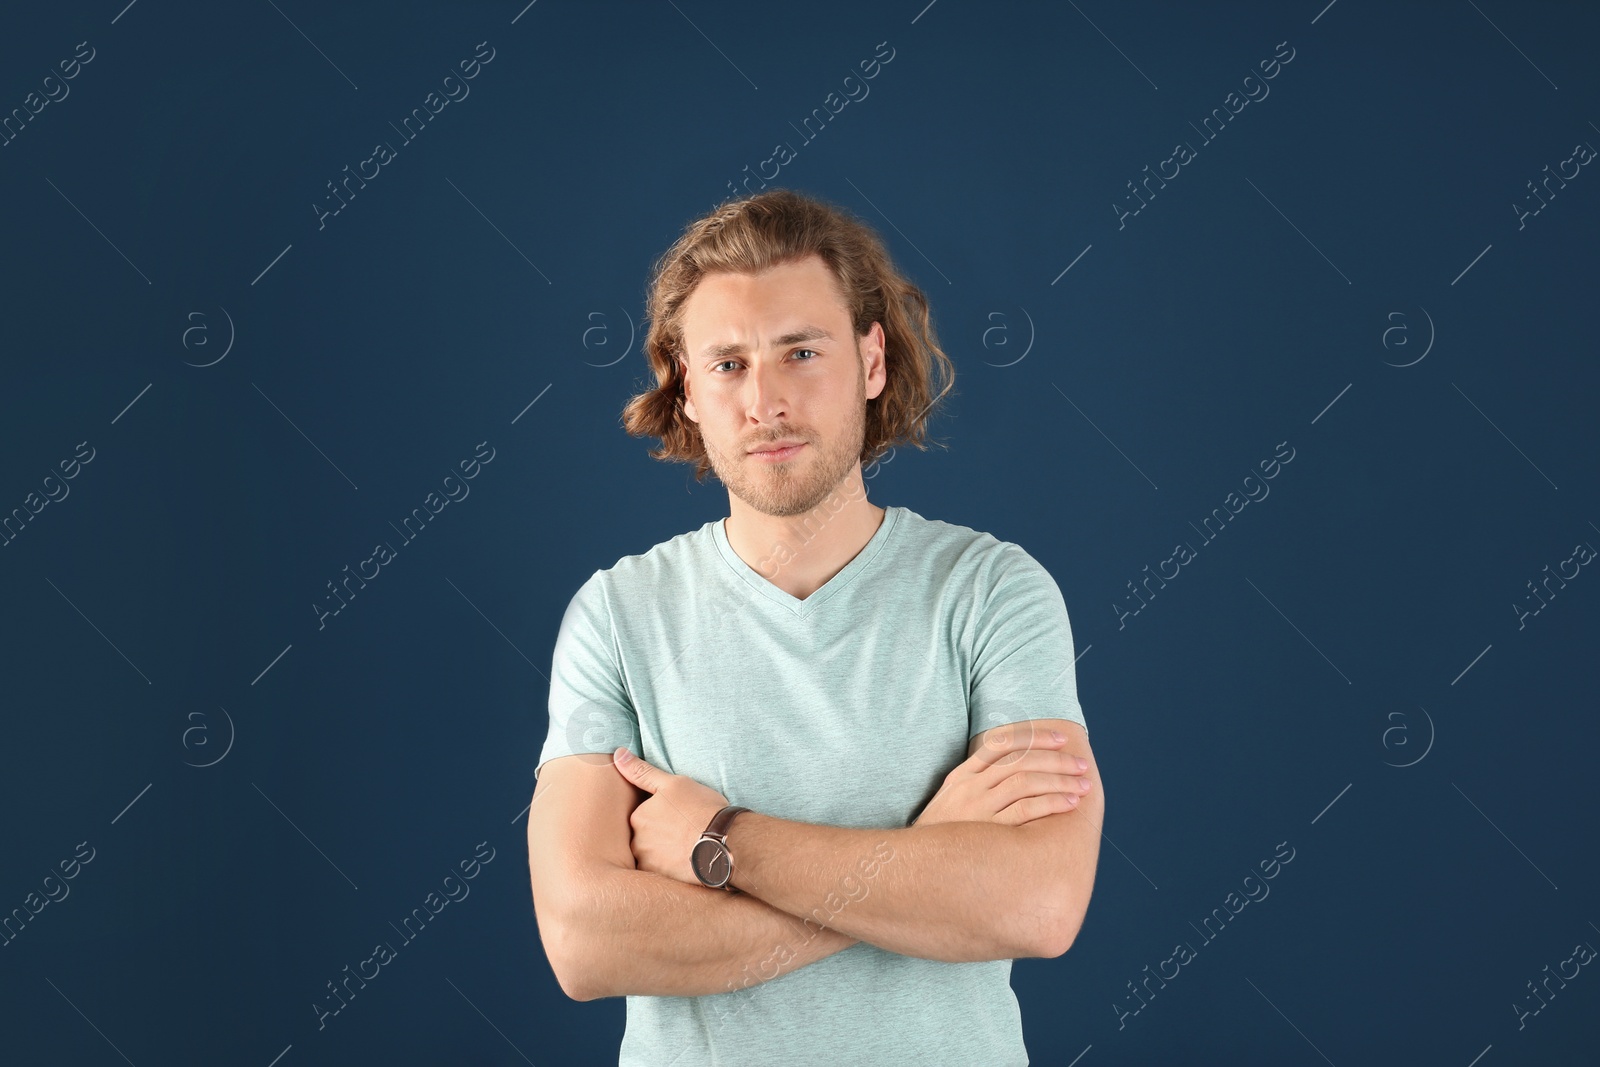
(772, 299)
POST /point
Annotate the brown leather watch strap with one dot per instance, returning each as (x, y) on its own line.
(721, 820)
(717, 830)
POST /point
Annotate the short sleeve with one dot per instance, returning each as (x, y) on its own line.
(1022, 651)
(589, 706)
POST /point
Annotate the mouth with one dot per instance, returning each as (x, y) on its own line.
(777, 455)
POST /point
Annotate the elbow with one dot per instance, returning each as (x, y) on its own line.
(1050, 942)
(572, 925)
(571, 977)
(576, 992)
(1062, 941)
(574, 980)
(1052, 927)
(1070, 913)
(564, 950)
(569, 985)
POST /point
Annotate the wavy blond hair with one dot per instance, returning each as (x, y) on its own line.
(774, 227)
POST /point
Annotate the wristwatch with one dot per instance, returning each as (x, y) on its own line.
(711, 860)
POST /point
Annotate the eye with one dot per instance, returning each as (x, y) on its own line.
(798, 351)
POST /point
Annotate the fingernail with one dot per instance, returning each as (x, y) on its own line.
(1083, 764)
(623, 755)
(1057, 735)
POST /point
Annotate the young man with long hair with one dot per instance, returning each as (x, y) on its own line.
(816, 773)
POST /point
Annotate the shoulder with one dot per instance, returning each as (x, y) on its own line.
(972, 560)
(652, 572)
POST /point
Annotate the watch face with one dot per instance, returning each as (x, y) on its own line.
(711, 863)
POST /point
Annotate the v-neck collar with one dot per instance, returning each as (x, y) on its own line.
(802, 608)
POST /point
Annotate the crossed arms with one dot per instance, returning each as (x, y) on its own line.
(952, 891)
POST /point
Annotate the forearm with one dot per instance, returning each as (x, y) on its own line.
(644, 934)
(957, 892)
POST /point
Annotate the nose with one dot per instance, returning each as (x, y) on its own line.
(764, 396)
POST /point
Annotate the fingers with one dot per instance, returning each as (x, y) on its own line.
(1035, 794)
(631, 766)
(644, 776)
(1034, 759)
(1042, 783)
(1009, 745)
(1006, 741)
(1030, 808)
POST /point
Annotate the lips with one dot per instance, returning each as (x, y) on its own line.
(778, 455)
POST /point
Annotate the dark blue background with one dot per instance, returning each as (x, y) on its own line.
(1358, 619)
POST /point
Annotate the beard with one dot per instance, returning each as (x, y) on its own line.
(799, 485)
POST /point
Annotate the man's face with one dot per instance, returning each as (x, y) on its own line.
(773, 357)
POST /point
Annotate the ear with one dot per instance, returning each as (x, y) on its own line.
(872, 360)
(688, 397)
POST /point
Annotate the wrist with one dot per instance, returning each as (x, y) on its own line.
(737, 838)
(712, 860)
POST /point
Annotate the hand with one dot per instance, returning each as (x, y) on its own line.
(1014, 778)
(669, 822)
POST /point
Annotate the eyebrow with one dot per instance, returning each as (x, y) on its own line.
(794, 337)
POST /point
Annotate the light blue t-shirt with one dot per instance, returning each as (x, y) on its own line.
(846, 708)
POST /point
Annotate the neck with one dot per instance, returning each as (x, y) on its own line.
(799, 553)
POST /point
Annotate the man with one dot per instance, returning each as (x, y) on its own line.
(747, 719)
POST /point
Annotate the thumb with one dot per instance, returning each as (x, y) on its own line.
(634, 769)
